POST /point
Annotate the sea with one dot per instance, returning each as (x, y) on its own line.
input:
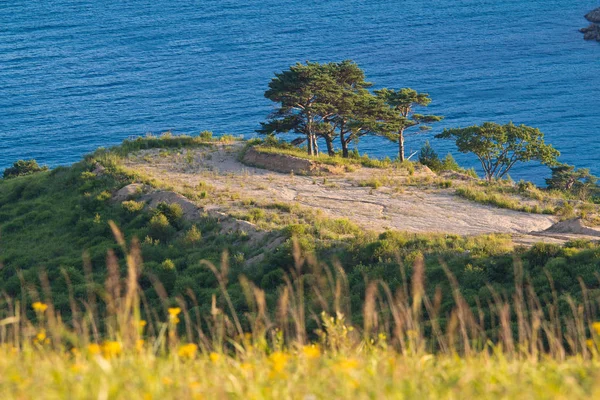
(76, 75)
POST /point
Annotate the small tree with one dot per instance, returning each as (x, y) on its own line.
(428, 157)
(566, 178)
(23, 167)
(404, 102)
(500, 147)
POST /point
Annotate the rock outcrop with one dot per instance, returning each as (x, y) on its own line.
(573, 226)
(286, 164)
(592, 32)
(593, 16)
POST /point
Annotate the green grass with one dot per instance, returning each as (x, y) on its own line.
(323, 158)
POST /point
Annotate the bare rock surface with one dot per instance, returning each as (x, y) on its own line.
(190, 210)
(128, 192)
(410, 209)
(287, 164)
(573, 226)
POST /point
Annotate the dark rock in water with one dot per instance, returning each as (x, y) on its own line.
(592, 32)
(593, 16)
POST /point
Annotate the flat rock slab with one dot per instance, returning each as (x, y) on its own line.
(411, 209)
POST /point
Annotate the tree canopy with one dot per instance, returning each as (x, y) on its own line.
(566, 178)
(305, 93)
(404, 102)
(500, 147)
(327, 101)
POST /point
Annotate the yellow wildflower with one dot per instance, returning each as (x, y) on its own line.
(590, 344)
(188, 350)
(41, 336)
(246, 366)
(348, 364)
(94, 349)
(139, 344)
(143, 323)
(596, 327)
(278, 361)
(39, 307)
(214, 357)
(167, 381)
(111, 349)
(311, 352)
(173, 313)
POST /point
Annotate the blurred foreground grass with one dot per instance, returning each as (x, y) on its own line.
(302, 373)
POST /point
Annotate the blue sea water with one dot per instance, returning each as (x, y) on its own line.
(79, 74)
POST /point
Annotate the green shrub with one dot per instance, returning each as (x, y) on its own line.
(133, 206)
(168, 264)
(23, 167)
(450, 164)
(160, 228)
(104, 196)
(371, 182)
(173, 212)
(193, 235)
(206, 135)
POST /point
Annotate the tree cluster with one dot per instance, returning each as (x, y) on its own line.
(333, 102)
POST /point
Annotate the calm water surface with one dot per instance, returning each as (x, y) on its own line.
(76, 75)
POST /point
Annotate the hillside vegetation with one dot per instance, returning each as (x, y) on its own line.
(163, 299)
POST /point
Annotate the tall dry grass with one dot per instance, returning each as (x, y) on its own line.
(114, 328)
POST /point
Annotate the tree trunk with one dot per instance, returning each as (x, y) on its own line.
(344, 143)
(315, 145)
(329, 142)
(401, 145)
(309, 144)
(345, 153)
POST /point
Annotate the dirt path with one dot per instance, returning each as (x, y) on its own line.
(406, 207)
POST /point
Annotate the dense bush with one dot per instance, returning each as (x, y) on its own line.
(23, 167)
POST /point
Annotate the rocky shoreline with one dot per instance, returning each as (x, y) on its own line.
(592, 32)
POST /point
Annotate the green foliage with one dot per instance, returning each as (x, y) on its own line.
(160, 228)
(500, 147)
(429, 158)
(404, 102)
(304, 93)
(23, 167)
(173, 212)
(576, 181)
(450, 164)
(371, 182)
(133, 206)
(193, 235)
(168, 264)
(206, 135)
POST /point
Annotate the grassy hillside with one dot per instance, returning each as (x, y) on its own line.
(153, 305)
(57, 223)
